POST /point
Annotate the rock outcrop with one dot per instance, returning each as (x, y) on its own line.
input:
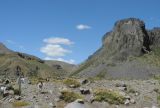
(128, 38)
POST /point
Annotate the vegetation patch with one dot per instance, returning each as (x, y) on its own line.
(71, 81)
(152, 58)
(20, 103)
(112, 97)
(70, 96)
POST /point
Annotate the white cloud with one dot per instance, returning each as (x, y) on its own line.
(58, 40)
(71, 61)
(82, 27)
(54, 50)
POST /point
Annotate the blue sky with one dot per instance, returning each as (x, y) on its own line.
(69, 30)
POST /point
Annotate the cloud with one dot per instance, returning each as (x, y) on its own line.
(58, 40)
(83, 27)
(71, 61)
(54, 50)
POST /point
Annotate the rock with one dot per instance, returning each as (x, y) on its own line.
(127, 97)
(79, 101)
(121, 84)
(52, 105)
(136, 94)
(47, 98)
(11, 100)
(84, 91)
(72, 86)
(11, 92)
(18, 97)
(77, 105)
(122, 88)
(132, 101)
(34, 96)
(127, 102)
(85, 81)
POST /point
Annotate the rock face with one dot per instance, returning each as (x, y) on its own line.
(128, 38)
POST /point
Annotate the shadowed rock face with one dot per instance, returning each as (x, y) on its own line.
(128, 38)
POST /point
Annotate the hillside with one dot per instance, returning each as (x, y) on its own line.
(128, 51)
(13, 64)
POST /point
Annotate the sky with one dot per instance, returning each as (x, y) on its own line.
(67, 30)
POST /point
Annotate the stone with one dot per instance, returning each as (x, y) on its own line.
(127, 102)
(18, 97)
(75, 105)
(81, 101)
(52, 105)
(85, 81)
(84, 91)
(122, 88)
(72, 86)
(132, 101)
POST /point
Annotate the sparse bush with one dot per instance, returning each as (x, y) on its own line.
(20, 103)
(109, 96)
(70, 96)
(71, 81)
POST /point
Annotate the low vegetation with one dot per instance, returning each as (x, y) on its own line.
(109, 96)
(70, 96)
(152, 58)
(20, 103)
(71, 81)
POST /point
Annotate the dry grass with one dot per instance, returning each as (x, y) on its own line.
(112, 97)
(71, 81)
(20, 103)
(70, 96)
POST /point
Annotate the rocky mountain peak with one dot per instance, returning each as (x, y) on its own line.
(127, 38)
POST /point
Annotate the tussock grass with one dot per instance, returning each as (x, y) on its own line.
(71, 81)
(20, 103)
(112, 97)
(70, 96)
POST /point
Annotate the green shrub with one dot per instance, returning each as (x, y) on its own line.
(71, 81)
(70, 96)
(109, 96)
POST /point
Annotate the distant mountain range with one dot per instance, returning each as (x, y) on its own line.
(128, 51)
(14, 64)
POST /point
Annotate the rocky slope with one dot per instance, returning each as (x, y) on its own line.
(126, 52)
(13, 64)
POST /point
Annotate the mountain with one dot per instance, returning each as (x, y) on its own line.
(13, 64)
(129, 50)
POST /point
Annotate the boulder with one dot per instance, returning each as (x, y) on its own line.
(84, 91)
